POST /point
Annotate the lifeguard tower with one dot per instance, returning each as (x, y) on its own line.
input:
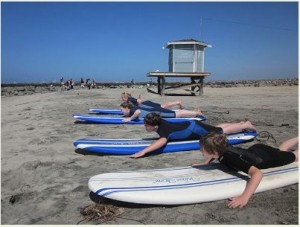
(186, 59)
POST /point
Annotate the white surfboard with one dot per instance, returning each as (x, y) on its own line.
(185, 185)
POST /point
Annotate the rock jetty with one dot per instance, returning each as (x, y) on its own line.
(29, 89)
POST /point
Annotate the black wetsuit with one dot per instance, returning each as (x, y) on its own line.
(189, 130)
(259, 155)
(133, 101)
(165, 113)
(144, 104)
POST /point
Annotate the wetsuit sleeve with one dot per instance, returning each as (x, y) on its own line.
(132, 110)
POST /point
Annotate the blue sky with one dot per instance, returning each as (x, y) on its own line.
(120, 41)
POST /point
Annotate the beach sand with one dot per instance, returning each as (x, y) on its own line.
(44, 181)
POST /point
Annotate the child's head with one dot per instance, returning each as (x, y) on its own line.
(152, 121)
(125, 107)
(213, 144)
(128, 105)
(125, 96)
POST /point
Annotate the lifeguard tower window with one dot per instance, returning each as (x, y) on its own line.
(186, 59)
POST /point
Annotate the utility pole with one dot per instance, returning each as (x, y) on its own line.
(201, 35)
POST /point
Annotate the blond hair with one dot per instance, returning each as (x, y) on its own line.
(126, 94)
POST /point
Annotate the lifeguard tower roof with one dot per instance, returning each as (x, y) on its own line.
(186, 42)
(186, 55)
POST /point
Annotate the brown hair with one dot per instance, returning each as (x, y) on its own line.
(152, 119)
(128, 105)
(214, 142)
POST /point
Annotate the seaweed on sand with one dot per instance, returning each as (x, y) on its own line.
(100, 213)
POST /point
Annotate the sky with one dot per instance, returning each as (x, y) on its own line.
(121, 41)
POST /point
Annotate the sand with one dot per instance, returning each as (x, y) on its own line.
(44, 181)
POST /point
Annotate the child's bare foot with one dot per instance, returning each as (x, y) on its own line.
(249, 125)
(180, 106)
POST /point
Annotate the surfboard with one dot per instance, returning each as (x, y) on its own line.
(106, 111)
(185, 185)
(119, 120)
(131, 146)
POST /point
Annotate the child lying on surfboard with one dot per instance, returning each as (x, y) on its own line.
(250, 161)
(133, 112)
(126, 97)
(189, 130)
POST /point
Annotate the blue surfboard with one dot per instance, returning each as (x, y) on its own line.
(131, 146)
(119, 120)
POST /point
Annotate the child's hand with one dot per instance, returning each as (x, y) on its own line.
(137, 155)
(207, 161)
(237, 202)
(127, 119)
(197, 164)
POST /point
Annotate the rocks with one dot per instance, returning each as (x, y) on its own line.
(29, 89)
(19, 90)
(252, 83)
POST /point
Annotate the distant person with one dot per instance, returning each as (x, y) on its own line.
(250, 161)
(71, 84)
(68, 84)
(183, 131)
(88, 83)
(94, 85)
(62, 84)
(130, 84)
(126, 97)
(82, 82)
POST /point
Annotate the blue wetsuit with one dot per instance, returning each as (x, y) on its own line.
(189, 130)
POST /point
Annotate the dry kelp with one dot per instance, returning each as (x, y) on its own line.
(265, 136)
(100, 213)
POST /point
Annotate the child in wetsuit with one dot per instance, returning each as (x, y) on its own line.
(182, 131)
(126, 97)
(133, 112)
(250, 161)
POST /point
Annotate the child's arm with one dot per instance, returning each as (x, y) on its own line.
(206, 162)
(288, 144)
(134, 116)
(240, 201)
(154, 146)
